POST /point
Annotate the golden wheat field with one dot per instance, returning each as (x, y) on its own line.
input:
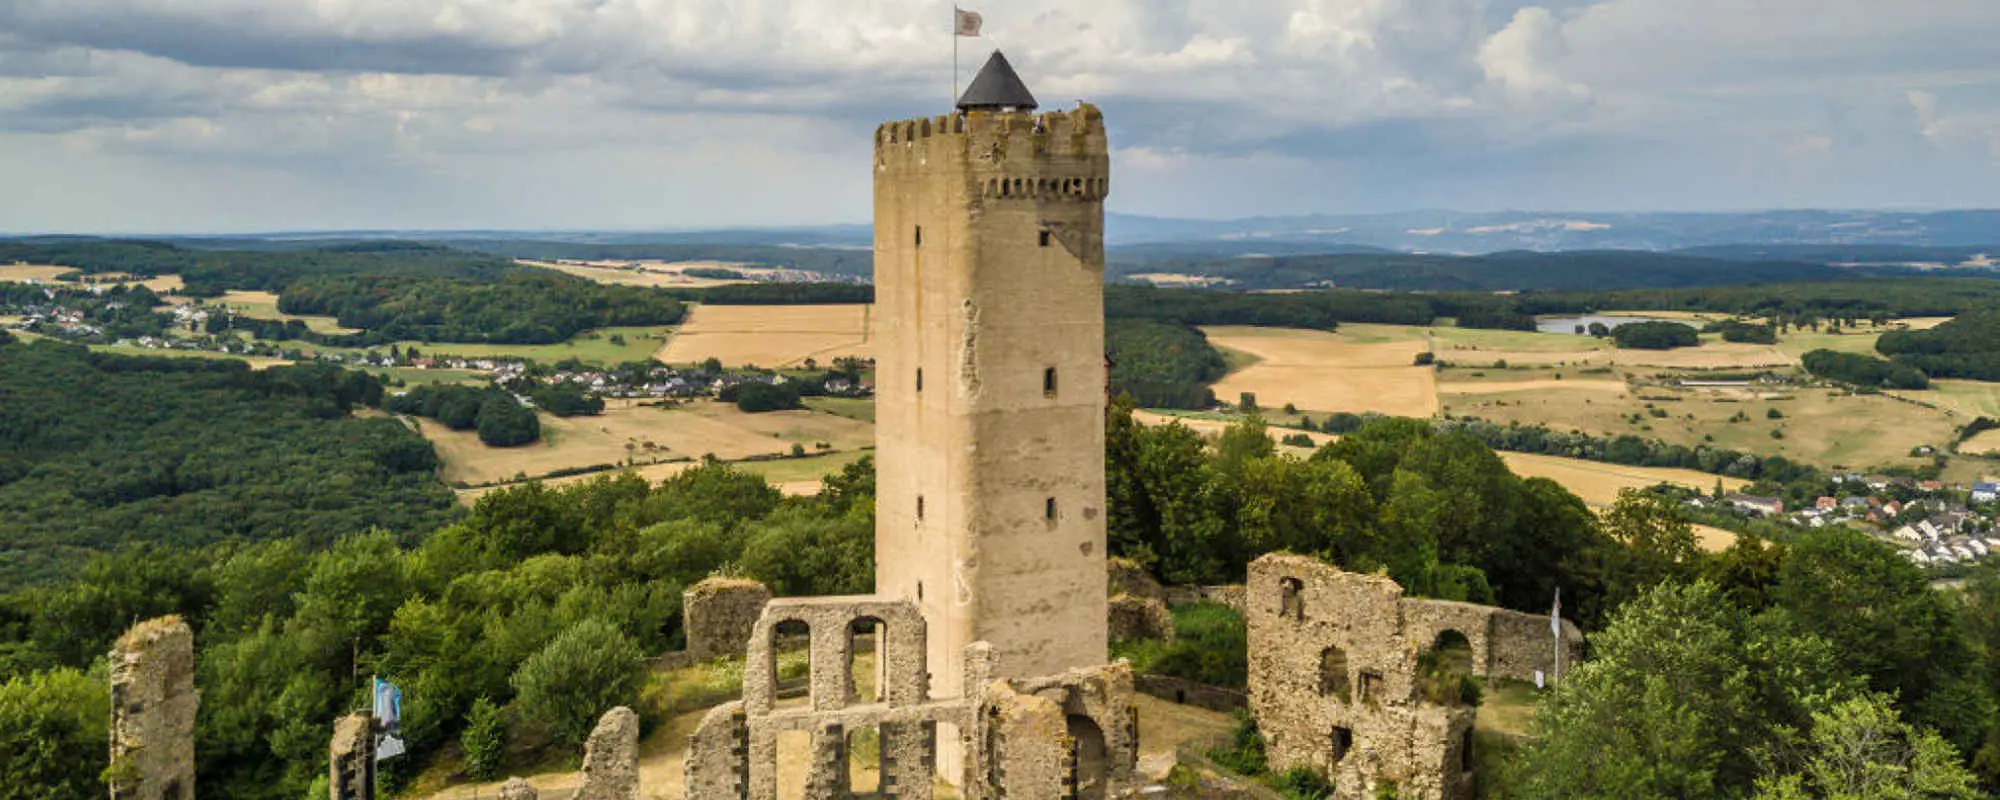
(22, 273)
(771, 336)
(645, 433)
(1323, 371)
(660, 274)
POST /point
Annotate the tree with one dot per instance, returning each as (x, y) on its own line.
(1875, 607)
(1247, 402)
(585, 671)
(1685, 697)
(1861, 749)
(484, 740)
(52, 735)
(504, 422)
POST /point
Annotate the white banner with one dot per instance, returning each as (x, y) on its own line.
(966, 23)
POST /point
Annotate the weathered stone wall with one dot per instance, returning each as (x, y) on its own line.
(1132, 617)
(611, 758)
(719, 614)
(1334, 683)
(153, 708)
(351, 758)
(1521, 644)
(517, 789)
(1126, 577)
(1191, 693)
(1231, 595)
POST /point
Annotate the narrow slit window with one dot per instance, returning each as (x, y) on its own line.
(1049, 509)
(920, 507)
(1049, 382)
(1045, 238)
(920, 379)
(920, 236)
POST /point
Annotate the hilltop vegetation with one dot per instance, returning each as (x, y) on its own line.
(1965, 347)
(526, 308)
(209, 273)
(1161, 364)
(1508, 271)
(101, 450)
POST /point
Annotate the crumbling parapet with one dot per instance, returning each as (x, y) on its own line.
(611, 758)
(719, 615)
(153, 708)
(517, 789)
(1125, 576)
(1133, 617)
(351, 759)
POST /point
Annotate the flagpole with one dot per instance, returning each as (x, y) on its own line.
(954, 54)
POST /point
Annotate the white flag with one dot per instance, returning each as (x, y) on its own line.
(1555, 614)
(967, 22)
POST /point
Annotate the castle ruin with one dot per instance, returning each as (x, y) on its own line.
(1345, 676)
(153, 706)
(987, 629)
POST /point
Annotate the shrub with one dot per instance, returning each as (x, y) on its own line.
(1425, 359)
(1243, 754)
(504, 422)
(585, 671)
(1299, 783)
(484, 740)
(1297, 440)
(757, 397)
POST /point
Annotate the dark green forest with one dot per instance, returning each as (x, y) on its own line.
(1162, 364)
(1862, 370)
(211, 272)
(1655, 335)
(100, 450)
(500, 420)
(1967, 346)
(519, 308)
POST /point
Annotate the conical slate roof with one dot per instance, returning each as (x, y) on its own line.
(996, 87)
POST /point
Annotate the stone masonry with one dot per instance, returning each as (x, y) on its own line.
(517, 789)
(1336, 684)
(153, 706)
(719, 615)
(1071, 735)
(351, 759)
(611, 758)
(1130, 617)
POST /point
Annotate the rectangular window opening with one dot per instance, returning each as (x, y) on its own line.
(1049, 382)
(1045, 238)
(1049, 509)
(920, 379)
(920, 236)
(920, 507)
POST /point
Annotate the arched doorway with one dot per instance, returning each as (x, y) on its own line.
(1091, 768)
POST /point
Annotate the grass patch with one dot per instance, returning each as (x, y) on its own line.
(1211, 645)
(861, 408)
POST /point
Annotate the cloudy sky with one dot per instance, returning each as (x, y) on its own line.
(246, 115)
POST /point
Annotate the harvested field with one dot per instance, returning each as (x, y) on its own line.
(1598, 483)
(771, 336)
(22, 273)
(1324, 371)
(648, 433)
(1712, 539)
(1984, 444)
(1710, 355)
(1969, 399)
(264, 305)
(1477, 358)
(1817, 426)
(1496, 387)
(1215, 427)
(659, 274)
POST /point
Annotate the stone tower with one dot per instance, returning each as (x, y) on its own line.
(990, 378)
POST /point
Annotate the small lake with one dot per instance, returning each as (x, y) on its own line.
(1568, 324)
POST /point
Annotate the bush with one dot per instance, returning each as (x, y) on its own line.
(504, 422)
(52, 734)
(1299, 783)
(1774, 414)
(484, 740)
(585, 671)
(1655, 336)
(1425, 359)
(758, 397)
(1243, 754)
(1297, 440)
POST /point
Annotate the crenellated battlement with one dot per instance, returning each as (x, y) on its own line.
(1053, 155)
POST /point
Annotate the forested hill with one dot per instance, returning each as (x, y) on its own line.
(100, 450)
(1512, 271)
(211, 272)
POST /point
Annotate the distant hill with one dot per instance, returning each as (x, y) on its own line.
(1487, 232)
(1509, 271)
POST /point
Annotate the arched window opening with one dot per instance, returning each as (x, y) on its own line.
(791, 664)
(1291, 598)
(1090, 762)
(867, 639)
(1451, 652)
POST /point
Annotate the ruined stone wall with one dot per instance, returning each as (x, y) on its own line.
(1521, 644)
(611, 758)
(1126, 577)
(719, 614)
(1130, 617)
(1334, 683)
(153, 708)
(351, 758)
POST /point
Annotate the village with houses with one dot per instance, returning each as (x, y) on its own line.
(1930, 522)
